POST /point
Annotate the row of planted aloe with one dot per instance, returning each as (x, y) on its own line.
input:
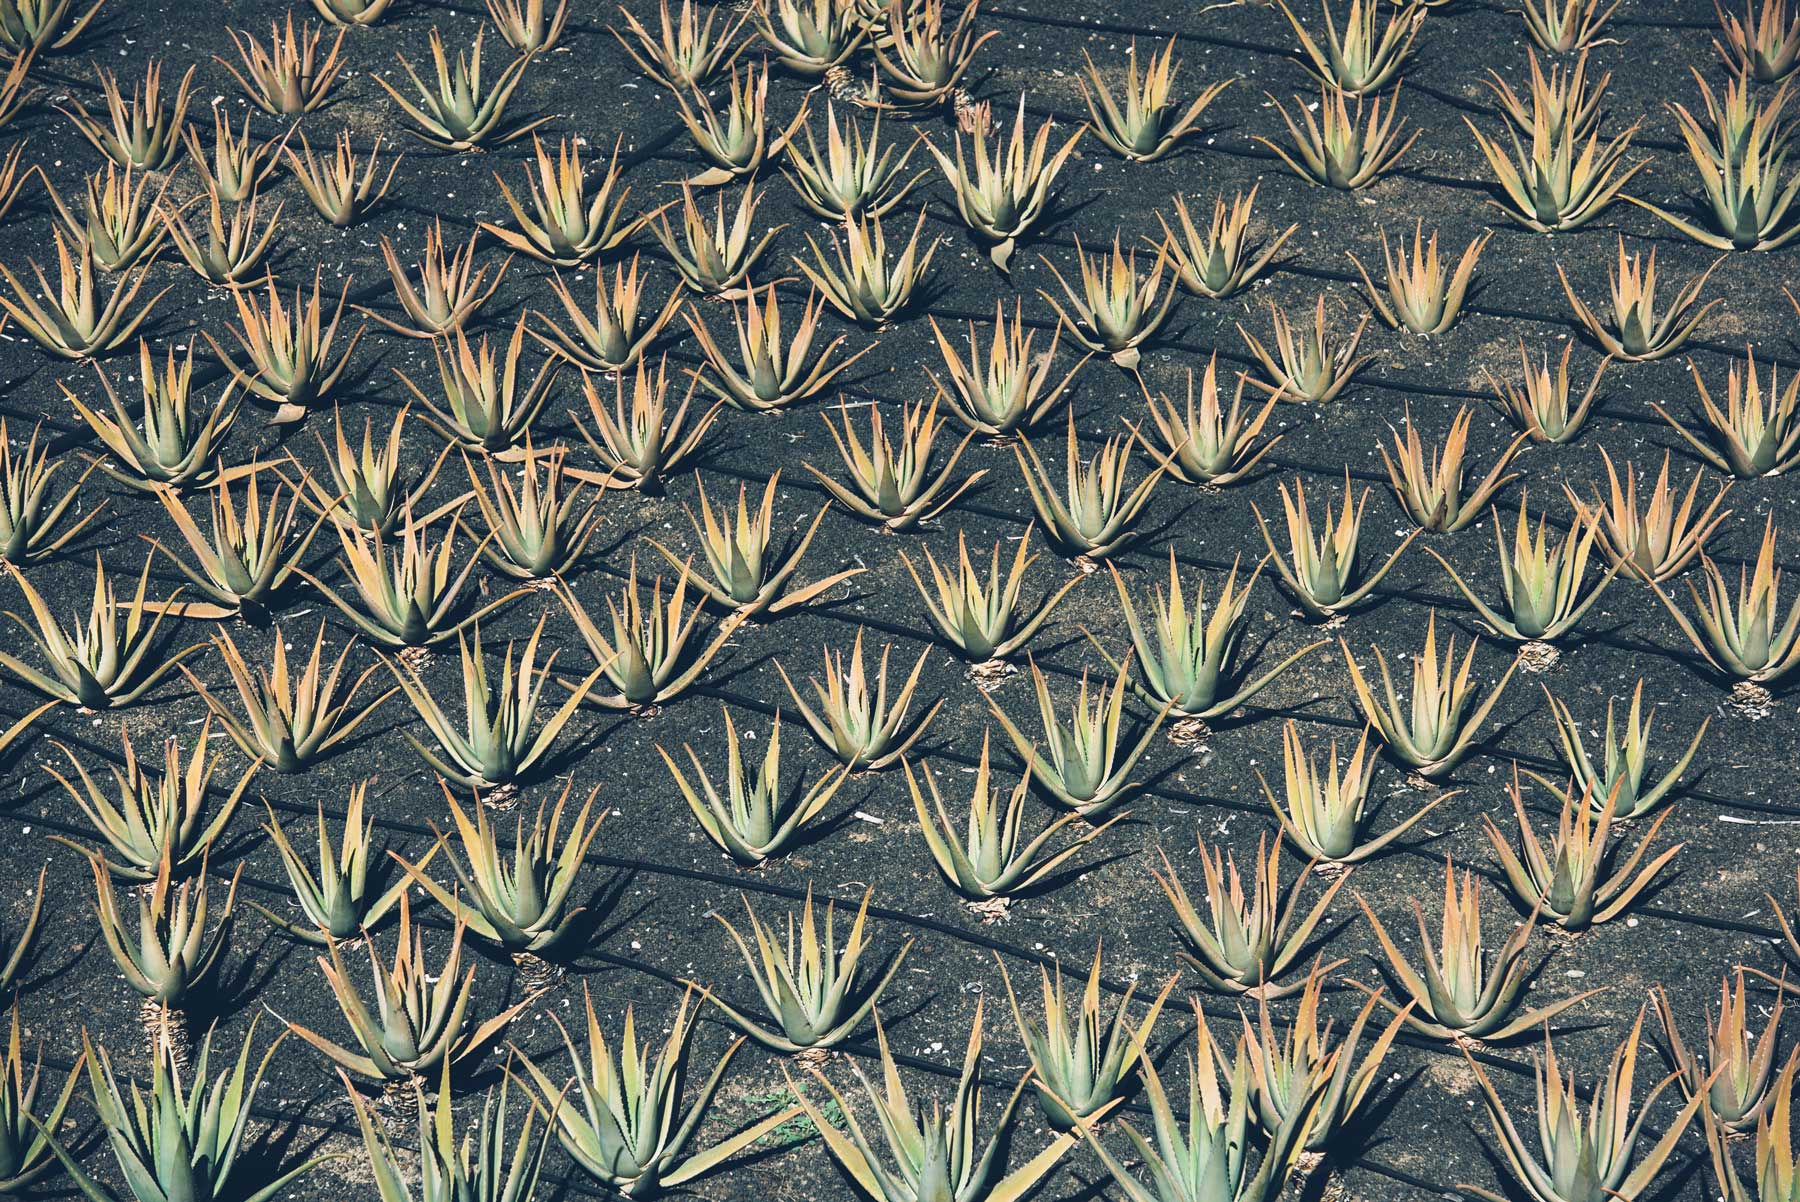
(422, 563)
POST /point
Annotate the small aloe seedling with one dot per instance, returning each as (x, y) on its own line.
(1438, 729)
(686, 52)
(865, 729)
(621, 1118)
(238, 164)
(1757, 433)
(1459, 994)
(854, 175)
(737, 142)
(1430, 489)
(370, 489)
(489, 404)
(1326, 814)
(1543, 405)
(155, 818)
(1081, 1061)
(1368, 55)
(1225, 260)
(1421, 295)
(1086, 764)
(1638, 332)
(750, 575)
(770, 372)
(1204, 1156)
(1576, 879)
(176, 1141)
(1191, 659)
(615, 335)
(1739, 1088)
(25, 1135)
(141, 131)
(1306, 1080)
(410, 592)
(458, 110)
(1627, 756)
(340, 192)
(339, 893)
(117, 216)
(715, 258)
(1657, 543)
(923, 63)
(495, 745)
(1251, 940)
(1584, 1158)
(450, 291)
(931, 1152)
(105, 662)
(421, 1020)
(1098, 516)
(810, 37)
(1149, 124)
(1000, 198)
(287, 353)
(74, 320)
(1213, 445)
(288, 723)
(1307, 365)
(868, 286)
(479, 1167)
(570, 223)
(1750, 640)
(752, 819)
(1011, 391)
(541, 528)
(289, 76)
(809, 986)
(1320, 571)
(991, 861)
(1558, 177)
(647, 659)
(1342, 148)
(1119, 308)
(984, 621)
(32, 521)
(168, 957)
(1765, 45)
(1561, 26)
(226, 253)
(518, 901)
(174, 440)
(641, 442)
(896, 488)
(1542, 583)
(251, 554)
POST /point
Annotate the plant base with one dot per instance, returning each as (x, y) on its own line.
(1086, 566)
(989, 675)
(1189, 732)
(536, 974)
(1751, 701)
(165, 1030)
(414, 657)
(813, 1058)
(400, 1105)
(501, 798)
(1538, 657)
(991, 911)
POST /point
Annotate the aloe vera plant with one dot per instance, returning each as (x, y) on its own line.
(1098, 516)
(931, 1153)
(251, 554)
(1439, 728)
(737, 141)
(1542, 584)
(289, 76)
(339, 893)
(1738, 1087)
(1764, 44)
(117, 215)
(21, 956)
(1326, 815)
(809, 986)
(622, 1117)
(1543, 404)
(420, 1021)
(33, 523)
(73, 320)
(288, 723)
(1226, 259)
(1421, 295)
(1566, 25)
(866, 729)
(922, 62)
(1251, 940)
(1342, 147)
(1320, 571)
(1431, 488)
(1080, 1060)
(227, 253)
(770, 373)
(238, 164)
(1755, 433)
(1460, 994)
(647, 658)
(1576, 879)
(457, 110)
(489, 403)
(810, 37)
(1750, 640)
(519, 901)
(25, 1152)
(155, 820)
(495, 745)
(28, 27)
(142, 130)
(570, 222)
(1192, 658)
(855, 175)
(1086, 764)
(340, 192)
(353, 12)
(1306, 365)
(369, 489)
(991, 861)
(752, 819)
(1557, 176)
(1583, 1158)
(1657, 543)
(1777, 1167)
(104, 662)
(1622, 773)
(167, 956)
(751, 575)
(868, 285)
(641, 442)
(539, 529)
(1119, 308)
(1149, 124)
(288, 354)
(1009, 393)
(450, 291)
(984, 621)
(687, 52)
(1638, 332)
(1368, 55)
(897, 488)
(618, 332)
(173, 441)
(1213, 445)
(715, 259)
(1002, 196)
